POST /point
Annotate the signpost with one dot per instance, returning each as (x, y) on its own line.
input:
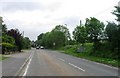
(54, 44)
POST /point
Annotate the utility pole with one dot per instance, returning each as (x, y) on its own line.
(23, 34)
(119, 3)
(80, 23)
(66, 41)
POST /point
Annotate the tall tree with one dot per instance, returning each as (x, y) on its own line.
(40, 36)
(53, 39)
(17, 36)
(46, 40)
(4, 29)
(65, 30)
(80, 34)
(39, 39)
(26, 43)
(117, 14)
(58, 38)
(94, 29)
(111, 31)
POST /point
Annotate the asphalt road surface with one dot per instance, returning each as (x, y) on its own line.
(52, 63)
(11, 65)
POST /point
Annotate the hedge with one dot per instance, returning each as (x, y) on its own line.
(7, 47)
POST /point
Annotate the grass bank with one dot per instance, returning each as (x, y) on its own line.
(72, 50)
(3, 57)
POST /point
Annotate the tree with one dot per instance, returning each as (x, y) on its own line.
(117, 14)
(33, 44)
(40, 36)
(4, 29)
(63, 29)
(53, 39)
(39, 39)
(45, 40)
(111, 31)
(17, 36)
(8, 43)
(94, 29)
(26, 43)
(58, 38)
(80, 34)
(8, 39)
(12, 40)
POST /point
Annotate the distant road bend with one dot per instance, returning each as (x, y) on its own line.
(43, 62)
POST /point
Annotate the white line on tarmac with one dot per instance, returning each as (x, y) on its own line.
(61, 59)
(18, 72)
(76, 67)
(30, 58)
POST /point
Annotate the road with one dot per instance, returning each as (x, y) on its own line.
(52, 63)
(11, 65)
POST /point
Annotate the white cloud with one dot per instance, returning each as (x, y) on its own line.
(37, 16)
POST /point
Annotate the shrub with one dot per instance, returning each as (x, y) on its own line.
(7, 47)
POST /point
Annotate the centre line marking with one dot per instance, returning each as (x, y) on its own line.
(76, 67)
(61, 59)
(30, 58)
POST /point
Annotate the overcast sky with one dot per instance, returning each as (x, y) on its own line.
(40, 16)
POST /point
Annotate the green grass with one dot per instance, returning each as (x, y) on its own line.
(86, 55)
(108, 61)
(3, 57)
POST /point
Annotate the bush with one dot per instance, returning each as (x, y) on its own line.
(88, 44)
(7, 47)
(105, 51)
(68, 47)
(8, 39)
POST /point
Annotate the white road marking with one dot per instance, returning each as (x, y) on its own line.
(21, 68)
(61, 59)
(76, 67)
(30, 58)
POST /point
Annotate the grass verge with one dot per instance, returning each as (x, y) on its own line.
(3, 57)
(85, 55)
(107, 61)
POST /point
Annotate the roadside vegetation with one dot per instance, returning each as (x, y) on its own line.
(12, 40)
(92, 40)
(86, 54)
(3, 57)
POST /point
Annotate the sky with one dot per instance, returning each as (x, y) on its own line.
(40, 16)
